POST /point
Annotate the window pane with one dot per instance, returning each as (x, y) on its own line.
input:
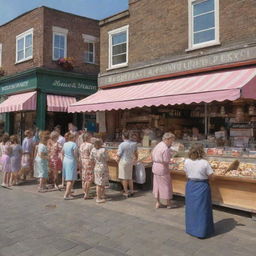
(62, 42)
(203, 7)
(119, 59)
(204, 22)
(28, 40)
(21, 44)
(89, 57)
(119, 38)
(28, 52)
(20, 55)
(90, 47)
(56, 53)
(61, 53)
(56, 41)
(204, 36)
(121, 48)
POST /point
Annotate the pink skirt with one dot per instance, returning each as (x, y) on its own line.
(162, 186)
(6, 163)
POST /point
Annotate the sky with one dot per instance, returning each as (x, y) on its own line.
(96, 9)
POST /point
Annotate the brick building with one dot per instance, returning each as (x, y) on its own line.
(33, 48)
(160, 41)
(161, 32)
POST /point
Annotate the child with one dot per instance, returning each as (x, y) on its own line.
(99, 156)
(6, 161)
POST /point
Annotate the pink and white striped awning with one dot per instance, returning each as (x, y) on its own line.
(19, 102)
(57, 103)
(217, 86)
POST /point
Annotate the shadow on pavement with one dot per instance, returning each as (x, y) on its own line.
(225, 226)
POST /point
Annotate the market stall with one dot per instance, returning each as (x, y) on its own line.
(215, 109)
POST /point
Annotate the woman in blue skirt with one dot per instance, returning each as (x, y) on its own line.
(69, 167)
(199, 218)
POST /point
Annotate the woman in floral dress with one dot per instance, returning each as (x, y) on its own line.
(99, 156)
(55, 163)
(87, 165)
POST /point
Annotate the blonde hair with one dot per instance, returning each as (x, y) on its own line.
(71, 136)
(44, 136)
(14, 139)
(54, 134)
(196, 151)
(86, 136)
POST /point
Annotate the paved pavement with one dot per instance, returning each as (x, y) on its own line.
(34, 224)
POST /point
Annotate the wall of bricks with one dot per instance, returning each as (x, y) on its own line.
(42, 19)
(158, 30)
(8, 33)
(75, 43)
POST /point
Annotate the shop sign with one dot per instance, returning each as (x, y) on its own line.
(67, 85)
(216, 59)
(17, 86)
(74, 85)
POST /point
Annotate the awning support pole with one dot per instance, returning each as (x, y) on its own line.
(205, 120)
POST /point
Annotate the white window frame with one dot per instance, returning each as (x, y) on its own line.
(1, 54)
(110, 34)
(216, 41)
(20, 36)
(90, 40)
(60, 32)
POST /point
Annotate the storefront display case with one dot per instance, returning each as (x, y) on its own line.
(227, 132)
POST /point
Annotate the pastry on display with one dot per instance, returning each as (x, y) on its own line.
(144, 154)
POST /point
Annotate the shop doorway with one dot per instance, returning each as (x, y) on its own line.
(59, 118)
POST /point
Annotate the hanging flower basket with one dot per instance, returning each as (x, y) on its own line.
(66, 63)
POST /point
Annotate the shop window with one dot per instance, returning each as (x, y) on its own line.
(24, 46)
(59, 43)
(1, 53)
(203, 23)
(118, 47)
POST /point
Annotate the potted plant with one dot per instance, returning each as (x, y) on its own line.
(66, 63)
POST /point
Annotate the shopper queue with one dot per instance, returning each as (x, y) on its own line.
(44, 155)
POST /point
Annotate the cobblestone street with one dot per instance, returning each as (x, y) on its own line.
(35, 223)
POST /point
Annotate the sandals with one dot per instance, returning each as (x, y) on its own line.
(87, 197)
(126, 195)
(100, 201)
(68, 198)
(42, 190)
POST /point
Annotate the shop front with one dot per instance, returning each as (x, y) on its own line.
(40, 98)
(217, 109)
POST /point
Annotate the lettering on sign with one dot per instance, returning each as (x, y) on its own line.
(15, 86)
(181, 65)
(73, 85)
